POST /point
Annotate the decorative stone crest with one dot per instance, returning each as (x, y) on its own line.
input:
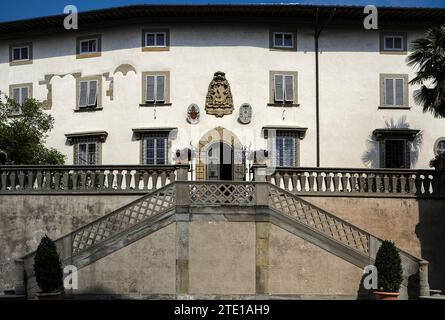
(219, 100)
(245, 113)
(193, 114)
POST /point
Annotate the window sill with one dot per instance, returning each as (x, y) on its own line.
(88, 109)
(282, 49)
(20, 62)
(404, 52)
(146, 49)
(88, 55)
(394, 108)
(167, 104)
(286, 105)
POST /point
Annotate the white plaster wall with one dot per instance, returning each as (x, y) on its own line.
(350, 64)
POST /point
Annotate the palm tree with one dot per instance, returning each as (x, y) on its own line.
(429, 56)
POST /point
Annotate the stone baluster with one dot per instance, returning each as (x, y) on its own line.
(83, 180)
(361, 183)
(110, 180)
(39, 180)
(386, 183)
(128, 177)
(344, 182)
(145, 178)
(286, 181)
(369, 183)
(154, 180)
(119, 178)
(328, 180)
(101, 179)
(302, 177)
(319, 182)
(311, 180)
(354, 183)
(12, 179)
(336, 182)
(57, 178)
(30, 179)
(75, 178)
(137, 180)
(163, 178)
(402, 184)
(172, 176)
(423, 279)
(4, 178)
(418, 184)
(21, 177)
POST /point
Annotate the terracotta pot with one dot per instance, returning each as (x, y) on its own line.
(48, 295)
(382, 295)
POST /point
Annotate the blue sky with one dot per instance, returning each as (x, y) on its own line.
(16, 10)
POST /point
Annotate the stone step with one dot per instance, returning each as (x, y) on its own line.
(435, 293)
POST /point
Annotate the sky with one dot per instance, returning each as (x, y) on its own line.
(25, 9)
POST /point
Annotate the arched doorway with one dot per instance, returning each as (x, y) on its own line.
(219, 156)
(219, 161)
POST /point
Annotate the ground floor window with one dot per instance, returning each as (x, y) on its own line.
(155, 148)
(396, 153)
(87, 152)
(284, 149)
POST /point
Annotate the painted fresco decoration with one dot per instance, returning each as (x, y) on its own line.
(219, 100)
(245, 113)
(193, 114)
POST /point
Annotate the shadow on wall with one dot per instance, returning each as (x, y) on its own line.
(371, 157)
(431, 234)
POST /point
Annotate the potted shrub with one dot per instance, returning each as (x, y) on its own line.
(48, 269)
(389, 271)
(438, 162)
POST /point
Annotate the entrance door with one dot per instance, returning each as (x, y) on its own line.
(220, 161)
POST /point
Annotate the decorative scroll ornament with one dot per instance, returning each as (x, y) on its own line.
(219, 100)
(245, 113)
(193, 114)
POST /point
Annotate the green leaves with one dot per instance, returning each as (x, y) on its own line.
(47, 266)
(429, 57)
(22, 137)
(389, 267)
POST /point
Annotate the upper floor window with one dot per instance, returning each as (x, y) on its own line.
(393, 42)
(283, 88)
(155, 40)
(284, 40)
(20, 54)
(155, 88)
(89, 93)
(88, 46)
(394, 91)
(20, 93)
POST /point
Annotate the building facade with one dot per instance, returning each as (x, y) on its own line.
(135, 85)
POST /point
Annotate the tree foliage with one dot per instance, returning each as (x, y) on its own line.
(389, 267)
(429, 57)
(47, 266)
(22, 136)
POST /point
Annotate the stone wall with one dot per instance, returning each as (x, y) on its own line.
(24, 219)
(415, 225)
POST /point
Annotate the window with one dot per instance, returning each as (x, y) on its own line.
(395, 153)
(393, 43)
(88, 94)
(282, 40)
(89, 46)
(283, 146)
(87, 152)
(394, 91)
(20, 93)
(155, 40)
(20, 54)
(155, 90)
(155, 148)
(283, 88)
(439, 146)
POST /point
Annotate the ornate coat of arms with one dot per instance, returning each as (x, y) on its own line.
(219, 100)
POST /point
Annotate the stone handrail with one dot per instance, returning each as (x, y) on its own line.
(348, 181)
(94, 178)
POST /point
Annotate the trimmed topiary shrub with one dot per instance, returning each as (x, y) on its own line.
(389, 267)
(47, 266)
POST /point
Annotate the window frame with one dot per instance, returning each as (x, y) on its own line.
(166, 75)
(165, 47)
(87, 141)
(272, 91)
(383, 78)
(406, 153)
(155, 136)
(87, 40)
(274, 31)
(98, 106)
(20, 86)
(273, 135)
(385, 35)
(14, 62)
(93, 54)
